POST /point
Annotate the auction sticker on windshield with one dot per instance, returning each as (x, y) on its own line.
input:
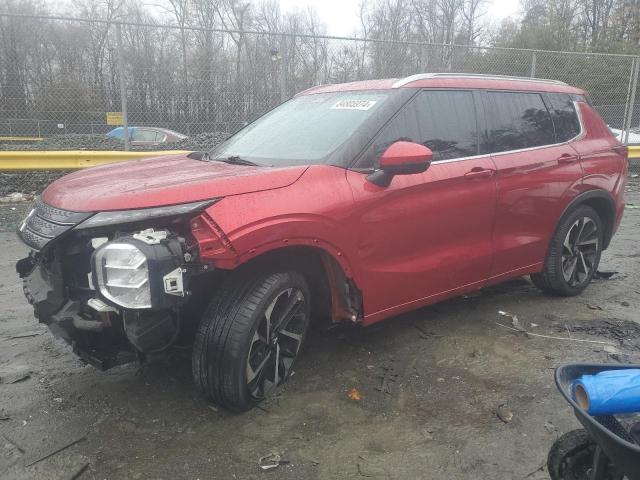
(354, 104)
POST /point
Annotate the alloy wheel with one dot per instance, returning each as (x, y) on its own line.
(579, 251)
(276, 342)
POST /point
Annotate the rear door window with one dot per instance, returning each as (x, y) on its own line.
(564, 116)
(443, 120)
(519, 120)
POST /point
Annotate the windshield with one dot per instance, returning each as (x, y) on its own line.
(302, 131)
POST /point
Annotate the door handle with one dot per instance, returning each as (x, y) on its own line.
(479, 172)
(568, 158)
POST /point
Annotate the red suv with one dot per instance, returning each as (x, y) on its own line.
(355, 202)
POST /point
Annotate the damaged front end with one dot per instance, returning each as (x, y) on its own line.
(112, 284)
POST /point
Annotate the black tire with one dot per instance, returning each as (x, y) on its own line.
(574, 253)
(571, 456)
(235, 325)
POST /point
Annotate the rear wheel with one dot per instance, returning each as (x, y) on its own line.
(574, 253)
(249, 338)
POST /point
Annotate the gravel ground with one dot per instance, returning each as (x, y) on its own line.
(447, 368)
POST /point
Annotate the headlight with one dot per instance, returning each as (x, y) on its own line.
(122, 275)
(129, 216)
(140, 271)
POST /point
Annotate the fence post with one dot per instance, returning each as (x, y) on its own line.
(631, 99)
(533, 65)
(123, 86)
(283, 69)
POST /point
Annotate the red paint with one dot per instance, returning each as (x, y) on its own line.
(160, 181)
(402, 153)
(454, 228)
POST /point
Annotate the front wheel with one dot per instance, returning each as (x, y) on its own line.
(249, 338)
(574, 253)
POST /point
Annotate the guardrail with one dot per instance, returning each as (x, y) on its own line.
(634, 151)
(12, 161)
(21, 139)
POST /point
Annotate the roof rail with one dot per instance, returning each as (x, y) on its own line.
(424, 76)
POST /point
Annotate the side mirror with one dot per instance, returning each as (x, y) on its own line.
(401, 158)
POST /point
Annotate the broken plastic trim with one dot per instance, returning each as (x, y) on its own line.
(116, 217)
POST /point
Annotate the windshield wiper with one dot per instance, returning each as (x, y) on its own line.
(236, 160)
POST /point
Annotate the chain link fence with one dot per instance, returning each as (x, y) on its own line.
(60, 77)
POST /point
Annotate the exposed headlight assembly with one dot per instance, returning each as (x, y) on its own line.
(114, 217)
(141, 271)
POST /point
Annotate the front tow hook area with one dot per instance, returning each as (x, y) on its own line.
(103, 360)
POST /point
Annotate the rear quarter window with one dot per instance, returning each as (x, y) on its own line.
(564, 116)
(518, 120)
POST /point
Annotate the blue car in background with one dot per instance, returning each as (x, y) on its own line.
(147, 136)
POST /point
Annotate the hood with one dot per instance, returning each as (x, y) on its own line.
(166, 180)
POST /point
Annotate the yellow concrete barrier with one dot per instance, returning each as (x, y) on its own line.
(21, 139)
(70, 159)
(634, 151)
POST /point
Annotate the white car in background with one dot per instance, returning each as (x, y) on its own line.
(634, 135)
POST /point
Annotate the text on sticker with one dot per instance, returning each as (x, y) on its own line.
(354, 104)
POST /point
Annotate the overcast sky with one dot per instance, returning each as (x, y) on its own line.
(342, 16)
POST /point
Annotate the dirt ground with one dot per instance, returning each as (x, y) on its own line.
(445, 369)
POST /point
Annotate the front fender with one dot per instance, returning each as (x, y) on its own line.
(290, 230)
(314, 212)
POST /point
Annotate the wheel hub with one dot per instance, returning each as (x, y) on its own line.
(580, 249)
(276, 342)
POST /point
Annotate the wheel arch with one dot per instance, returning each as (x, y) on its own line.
(334, 293)
(603, 203)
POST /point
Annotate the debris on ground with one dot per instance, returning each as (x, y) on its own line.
(603, 275)
(621, 331)
(354, 395)
(515, 323)
(504, 413)
(80, 471)
(610, 349)
(590, 306)
(553, 337)
(386, 379)
(271, 461)
(365, 470)
(58, 450)
(3, 415)
(14, 373)
(31, 333)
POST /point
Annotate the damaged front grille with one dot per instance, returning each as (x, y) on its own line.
(44, 223)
